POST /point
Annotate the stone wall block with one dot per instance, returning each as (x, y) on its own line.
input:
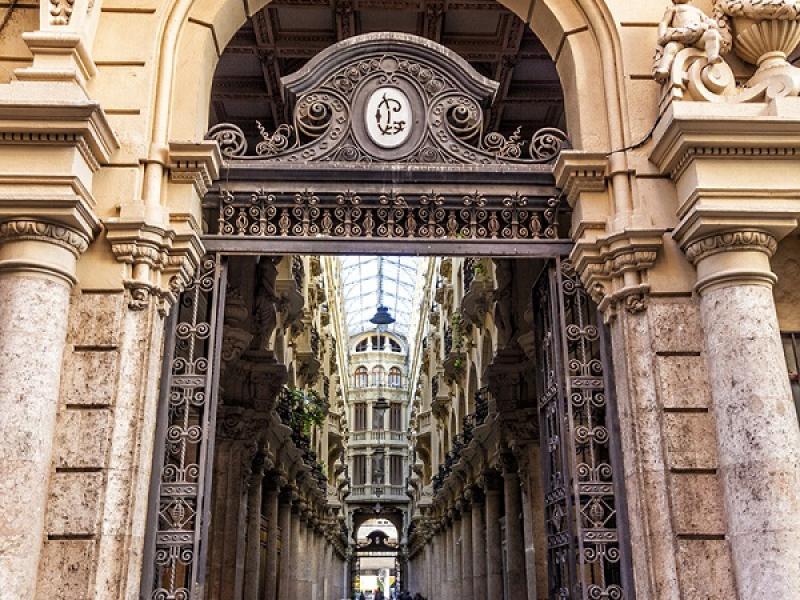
(74, 503)
(96, 320)
(90, 377)
(683, 382)
(677, 325)
(69, 565)
(705, 570)
(697, 504)
(82, 438)
(690, 441)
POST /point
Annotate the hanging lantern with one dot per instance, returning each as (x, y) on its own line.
(382, 317)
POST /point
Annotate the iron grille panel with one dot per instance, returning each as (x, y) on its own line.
(180, 510)
(585, 557)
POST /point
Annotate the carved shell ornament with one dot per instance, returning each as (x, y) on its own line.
(760, 32)
(389, 97)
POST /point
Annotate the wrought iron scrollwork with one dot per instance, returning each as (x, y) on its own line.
(581, 504)
(180, 516)
(348, 214)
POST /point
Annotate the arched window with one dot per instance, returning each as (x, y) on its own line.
(362, 377)
(362, 345)
(394, 345)
(378, 375)
(395, 377)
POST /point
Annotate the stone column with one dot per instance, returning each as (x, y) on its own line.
(449, 571)
(37, 266)
(515, 543)
(253, 551)
(457, 551)
(478, 546)
(757, 430)
(285, 524)
(272, 510)
(466, 553)
(494, 540)
(523, 453)
(296, 554)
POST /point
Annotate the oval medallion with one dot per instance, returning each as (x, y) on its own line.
(388, 117)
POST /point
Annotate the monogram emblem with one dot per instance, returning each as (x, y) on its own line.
(388, 117)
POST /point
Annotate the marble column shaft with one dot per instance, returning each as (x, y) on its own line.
(494, 546)
(33, 328)
(296, 554)
(457, 562)
(757, 428)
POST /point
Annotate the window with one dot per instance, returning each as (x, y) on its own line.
(359, 469)
(395, 414)
(362, 378)
(360, 417)
(378, 342)
(395, 377)
(378, 375)
(396, 470)
(791, 348)
(395, 347)
(362, 345)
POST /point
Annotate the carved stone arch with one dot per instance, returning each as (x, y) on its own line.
(579, 34)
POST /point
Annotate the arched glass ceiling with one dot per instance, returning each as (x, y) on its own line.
(395, 278)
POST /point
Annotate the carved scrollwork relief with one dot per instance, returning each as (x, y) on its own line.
(446, 101)
(61, 11)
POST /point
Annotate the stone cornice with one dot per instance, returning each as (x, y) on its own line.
(195, 163)
(577, 172)
(692, 130)
(31, 114)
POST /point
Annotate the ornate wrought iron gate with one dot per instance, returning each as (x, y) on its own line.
(174, 567)
(587, 556)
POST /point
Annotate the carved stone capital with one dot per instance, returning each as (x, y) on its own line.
(20, 249)
(158, 262)
(614, 268)
(758, 241)
(25, 229)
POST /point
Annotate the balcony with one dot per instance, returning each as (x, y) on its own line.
(379, 437)
(378, 492)
(424, 423)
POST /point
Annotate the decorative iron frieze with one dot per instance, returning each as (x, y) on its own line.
(186, 440)
(584, 543)
(351, 215)
(388, 97)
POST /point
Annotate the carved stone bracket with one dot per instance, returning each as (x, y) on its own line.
(158, 262)
(195, 163)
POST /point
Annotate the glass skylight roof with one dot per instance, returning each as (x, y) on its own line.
(394, 278)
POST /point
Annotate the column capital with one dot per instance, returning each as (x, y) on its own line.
(739, 257)
(38, 246)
